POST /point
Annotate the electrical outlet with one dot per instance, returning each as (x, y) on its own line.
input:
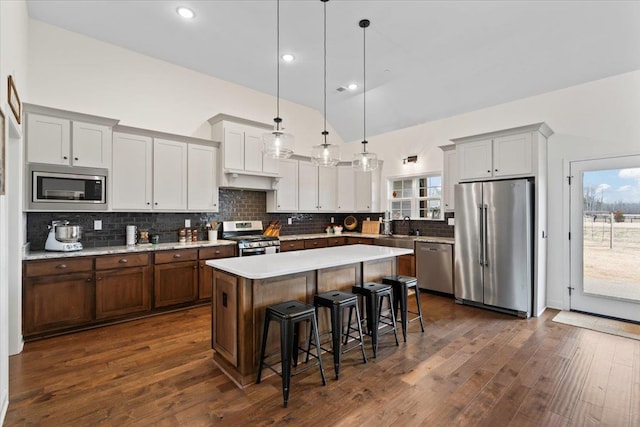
(187, 223)
(332, 221)
(97, 224)
(451, 221)
(368, 218)
(289, 221)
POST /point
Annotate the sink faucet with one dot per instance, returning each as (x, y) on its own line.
(408, 218)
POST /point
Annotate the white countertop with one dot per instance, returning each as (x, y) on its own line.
(106, 250)
(273, 265)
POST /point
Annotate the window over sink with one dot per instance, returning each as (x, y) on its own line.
(418, 197)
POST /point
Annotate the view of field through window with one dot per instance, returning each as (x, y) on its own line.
(611, 233)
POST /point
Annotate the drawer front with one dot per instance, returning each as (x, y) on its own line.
(336, 241)
(218, 252)
(359, 241)
(107, 262)
(164, 257)
(291, 245)
(315, 243)
(58, 266)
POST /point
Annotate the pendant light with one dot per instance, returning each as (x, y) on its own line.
(364, 161)
(278, 144)
(325, 154)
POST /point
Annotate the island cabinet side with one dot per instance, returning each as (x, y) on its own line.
(374, 271)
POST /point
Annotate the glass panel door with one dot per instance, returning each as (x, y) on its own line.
(605, 236)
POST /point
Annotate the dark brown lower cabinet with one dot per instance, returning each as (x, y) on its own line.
(407, 265)
(123, 291)
(57, 302)
(175, 277)
(205, 279)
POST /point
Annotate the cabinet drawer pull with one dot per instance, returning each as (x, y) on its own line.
(177, 256)
(123, 261)
(61, 266)
(98, 278)
(195, 267)
(217, 252)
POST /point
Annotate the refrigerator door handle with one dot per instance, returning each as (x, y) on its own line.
(481, 242)
(484, 235)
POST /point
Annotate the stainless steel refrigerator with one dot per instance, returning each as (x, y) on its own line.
(493, 245)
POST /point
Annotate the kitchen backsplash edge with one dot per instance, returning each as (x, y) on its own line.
(235, 205)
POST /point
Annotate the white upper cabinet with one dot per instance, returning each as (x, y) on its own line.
(201, 178)
(498, 157)
(169, 175)
(59, 141)
(149, 174)
(233, 149)
(91, 145)
(346, 189)
(132, 172)
(285, 197)
(367, 190)
(317, 188)
(449, 175)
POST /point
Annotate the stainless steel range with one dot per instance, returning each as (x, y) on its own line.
(250, 239)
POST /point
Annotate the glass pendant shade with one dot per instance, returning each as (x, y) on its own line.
(325, 155)
(365, 161)
(278, 144)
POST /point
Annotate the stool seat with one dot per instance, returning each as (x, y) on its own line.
(374, 294)
(336, 302)
(289, 315)
(401, 286)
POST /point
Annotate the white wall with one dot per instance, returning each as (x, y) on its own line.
(13, 61)
(78, 73)
(73, 72)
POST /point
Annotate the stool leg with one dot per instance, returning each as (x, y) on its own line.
(393, 320)
(404, 318)
(364, 356)
(263, 347)
(348, 328)
(310, 338)
(373, 318)
(336, 328)
(419, 307)
(286, 348)
(314, 326)
(296, 342)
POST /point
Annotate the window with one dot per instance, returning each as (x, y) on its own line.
(418, 197)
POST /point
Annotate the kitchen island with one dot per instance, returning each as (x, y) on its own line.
(244, 287)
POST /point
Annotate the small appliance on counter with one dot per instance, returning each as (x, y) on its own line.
(386, 224)
(63, 237)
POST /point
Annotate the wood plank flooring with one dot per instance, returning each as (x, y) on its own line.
(470, 367)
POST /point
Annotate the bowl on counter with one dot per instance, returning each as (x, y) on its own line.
(350, 223)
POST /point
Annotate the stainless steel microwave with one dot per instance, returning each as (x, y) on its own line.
(66, 188)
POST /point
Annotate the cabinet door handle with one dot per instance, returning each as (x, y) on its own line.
(489, 171)
(148, 203)
(195, 267)
(65, 157)
(61, 266)
(123, 261)
(156, 203)
(97, 278)
(177, 256)
(495, 170)
(75, 158)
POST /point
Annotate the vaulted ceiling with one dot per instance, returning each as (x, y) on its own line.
(425, 59)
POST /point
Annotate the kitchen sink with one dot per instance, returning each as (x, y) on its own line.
(395, 241)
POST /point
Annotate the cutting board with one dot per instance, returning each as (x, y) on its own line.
(370, 227)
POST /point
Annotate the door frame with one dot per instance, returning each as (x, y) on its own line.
(566, 218)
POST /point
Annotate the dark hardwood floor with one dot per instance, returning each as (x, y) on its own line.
(470, 367)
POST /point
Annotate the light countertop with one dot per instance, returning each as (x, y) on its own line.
(273, 265)
(107, 250)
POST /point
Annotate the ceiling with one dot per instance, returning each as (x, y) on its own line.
(426, 60)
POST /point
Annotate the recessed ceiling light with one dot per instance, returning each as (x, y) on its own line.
(287, 57)
(352, 86)
(185, 12)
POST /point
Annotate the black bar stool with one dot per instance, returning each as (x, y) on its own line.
(337, 301)
(401, 286)
(374, 294)
(289, 314)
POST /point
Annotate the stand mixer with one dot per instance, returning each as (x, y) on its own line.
(63, 237)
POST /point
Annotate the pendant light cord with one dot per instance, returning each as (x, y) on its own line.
(277, 120)
(364, 24)
(325, 133)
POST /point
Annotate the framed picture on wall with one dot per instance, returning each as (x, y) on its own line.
(3, 153)
(14, 100)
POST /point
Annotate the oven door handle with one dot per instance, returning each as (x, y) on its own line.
(252, 251)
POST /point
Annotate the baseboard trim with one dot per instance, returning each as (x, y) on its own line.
(5, 407)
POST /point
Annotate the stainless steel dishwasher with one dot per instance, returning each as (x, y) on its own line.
(434, 262)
